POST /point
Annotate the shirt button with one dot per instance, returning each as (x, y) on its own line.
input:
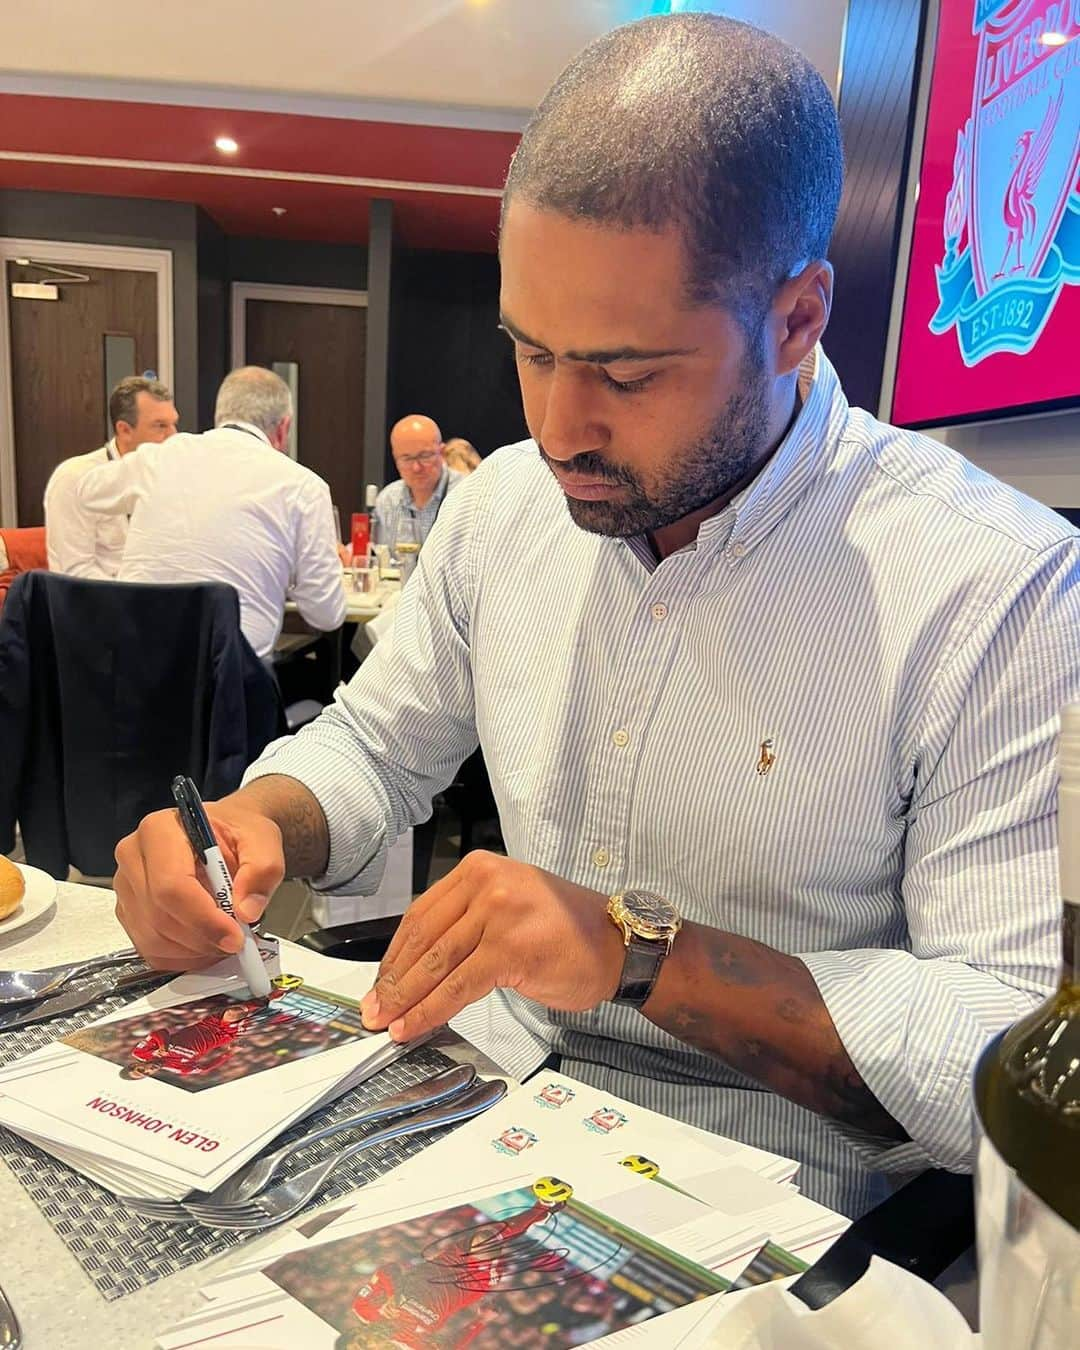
(659, 611)
(620, 737)
(738, 550)
(601, 857)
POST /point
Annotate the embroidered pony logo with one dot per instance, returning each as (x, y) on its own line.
(766, 758)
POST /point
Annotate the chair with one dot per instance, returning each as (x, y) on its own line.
(20, 551)
(366, 941)
(107, 691)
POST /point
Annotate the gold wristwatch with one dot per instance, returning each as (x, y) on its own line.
(648, 924)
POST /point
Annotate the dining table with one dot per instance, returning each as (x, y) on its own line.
(54, 1301)
(363, 606)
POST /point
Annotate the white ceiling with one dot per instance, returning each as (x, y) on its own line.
(405, 60)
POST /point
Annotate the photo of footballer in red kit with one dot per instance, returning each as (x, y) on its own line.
(531, 1267)
(222, 1038)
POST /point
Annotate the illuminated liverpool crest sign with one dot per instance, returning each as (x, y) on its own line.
(1012, 215)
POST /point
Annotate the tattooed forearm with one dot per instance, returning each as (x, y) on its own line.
(305, 837)
(761, 1013)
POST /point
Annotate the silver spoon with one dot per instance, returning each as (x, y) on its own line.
(17, 986)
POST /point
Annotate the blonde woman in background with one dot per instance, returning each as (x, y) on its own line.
(461, 454)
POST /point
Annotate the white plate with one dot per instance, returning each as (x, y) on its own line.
(40, 897)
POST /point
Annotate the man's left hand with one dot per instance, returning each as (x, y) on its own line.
(493, 923)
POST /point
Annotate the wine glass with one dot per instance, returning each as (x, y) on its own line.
(406, 546)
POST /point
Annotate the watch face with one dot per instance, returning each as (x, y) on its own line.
(651, 916)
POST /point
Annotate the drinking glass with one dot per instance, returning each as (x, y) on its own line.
(406, 546)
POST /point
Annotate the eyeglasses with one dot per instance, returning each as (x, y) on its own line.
(428, 457)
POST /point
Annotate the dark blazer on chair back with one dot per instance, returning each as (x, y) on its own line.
(107, 690)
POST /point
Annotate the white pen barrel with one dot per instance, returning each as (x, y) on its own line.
(251, 962)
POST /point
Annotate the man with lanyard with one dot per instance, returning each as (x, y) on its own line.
(230, 505)
(416, 444)
(768, 690)
(82, 543)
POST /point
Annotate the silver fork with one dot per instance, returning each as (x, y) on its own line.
(287, 1198)
(255, 1175)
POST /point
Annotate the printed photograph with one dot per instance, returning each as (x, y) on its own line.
(531, 1268)
(222, 1038)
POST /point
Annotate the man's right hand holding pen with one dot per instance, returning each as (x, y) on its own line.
(161, 901)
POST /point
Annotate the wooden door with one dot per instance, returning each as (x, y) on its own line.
(328, 343)
(59, 398)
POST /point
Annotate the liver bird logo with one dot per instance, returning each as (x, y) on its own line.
(1029, 161)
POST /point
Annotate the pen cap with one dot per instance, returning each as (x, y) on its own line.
(192, 814)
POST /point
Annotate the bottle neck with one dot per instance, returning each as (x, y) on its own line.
(1070, 944)
(1068, 823)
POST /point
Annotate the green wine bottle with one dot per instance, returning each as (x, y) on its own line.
(1027, 1098)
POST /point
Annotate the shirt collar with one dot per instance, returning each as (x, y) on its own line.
(235, 424)
(800, 456)
(111, 451)
(797, 460)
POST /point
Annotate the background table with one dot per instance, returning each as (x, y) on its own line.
(361, 607)
(56, 1305)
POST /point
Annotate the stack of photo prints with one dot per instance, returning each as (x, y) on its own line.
(177, 1090)
(560, 1217)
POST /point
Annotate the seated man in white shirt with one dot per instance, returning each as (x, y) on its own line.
(417, 446)
(82, 543)
(767, 689)
(228, 506)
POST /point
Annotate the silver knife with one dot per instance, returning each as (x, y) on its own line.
(81, 995)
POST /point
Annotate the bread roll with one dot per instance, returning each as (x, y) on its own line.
(12, 888)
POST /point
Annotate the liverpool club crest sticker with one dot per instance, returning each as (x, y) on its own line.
(554, 1096)
(604, 1120)
(514, 1140)
(1012, 215)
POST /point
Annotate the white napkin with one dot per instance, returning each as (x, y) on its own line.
(888, 1309)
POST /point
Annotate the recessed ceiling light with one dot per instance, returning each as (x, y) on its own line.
(278, 210)
(1053, 39)
(226, 145)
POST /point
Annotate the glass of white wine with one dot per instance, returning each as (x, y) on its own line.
(407, 546)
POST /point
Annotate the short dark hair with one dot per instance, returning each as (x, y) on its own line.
(123, 401)
(699, 121)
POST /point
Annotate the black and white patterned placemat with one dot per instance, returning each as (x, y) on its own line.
(121, 1251)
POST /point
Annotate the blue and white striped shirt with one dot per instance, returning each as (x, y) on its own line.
(395, 503)
(901, 627)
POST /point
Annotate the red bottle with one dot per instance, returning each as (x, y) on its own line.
(361, 535)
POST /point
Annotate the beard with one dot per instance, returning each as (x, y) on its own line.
(698, 474)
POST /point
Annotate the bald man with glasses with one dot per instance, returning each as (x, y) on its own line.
(416, 444)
